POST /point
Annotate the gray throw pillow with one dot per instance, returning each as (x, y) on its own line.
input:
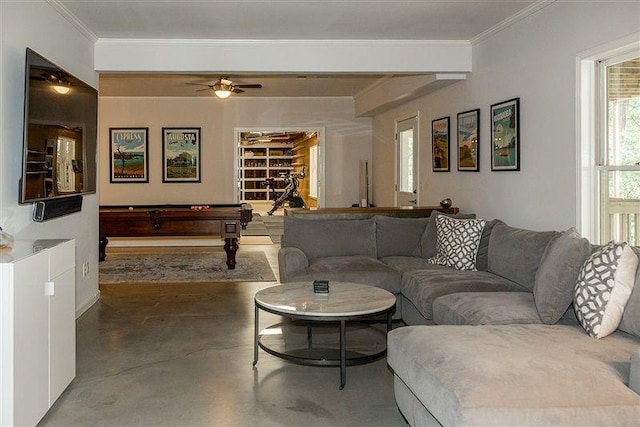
(482, 259)
(557, 274)
(631, 317)
(516, 253)
(427, 246)
(398, 236)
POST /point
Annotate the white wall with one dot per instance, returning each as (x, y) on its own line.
(37, 25)
(534, 59)
(347, 140)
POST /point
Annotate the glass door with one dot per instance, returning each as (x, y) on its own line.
(406, 187)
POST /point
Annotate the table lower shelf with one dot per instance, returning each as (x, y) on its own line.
(314, 343)
(322, 356)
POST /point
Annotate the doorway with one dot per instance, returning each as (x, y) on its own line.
(406, 187)
(267, 157)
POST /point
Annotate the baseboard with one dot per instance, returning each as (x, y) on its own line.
(87, 304)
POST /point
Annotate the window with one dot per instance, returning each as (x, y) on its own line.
(618, 148)
(406, 160)
(406, 187)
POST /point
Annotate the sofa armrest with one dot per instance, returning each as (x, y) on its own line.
(634, 373)
(290, 260)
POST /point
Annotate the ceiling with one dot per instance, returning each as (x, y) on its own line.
(279, 20)
(272, 85)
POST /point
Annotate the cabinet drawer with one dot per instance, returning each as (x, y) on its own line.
(62, 258)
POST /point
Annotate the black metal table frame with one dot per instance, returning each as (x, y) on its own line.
(343, 362)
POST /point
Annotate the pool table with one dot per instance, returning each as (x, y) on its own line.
(224, 221)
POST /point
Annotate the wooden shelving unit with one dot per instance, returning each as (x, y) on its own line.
(261, 161)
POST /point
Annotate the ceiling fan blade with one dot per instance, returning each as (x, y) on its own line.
(236, 90)
(199, 84)
(202, 90)
(249, 86)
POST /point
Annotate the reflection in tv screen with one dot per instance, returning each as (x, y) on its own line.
(60, 133)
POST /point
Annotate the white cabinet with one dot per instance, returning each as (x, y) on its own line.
(261, 161)
(37, 328)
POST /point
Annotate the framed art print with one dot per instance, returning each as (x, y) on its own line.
(468, 140)
(181, 154)
(129, 155)
(505, 135)
(440, 144)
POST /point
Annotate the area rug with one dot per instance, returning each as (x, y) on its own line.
(194, 267)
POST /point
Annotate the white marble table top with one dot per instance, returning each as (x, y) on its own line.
(343, 299)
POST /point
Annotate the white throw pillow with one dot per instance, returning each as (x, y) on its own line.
(603, 288)
(457, 242)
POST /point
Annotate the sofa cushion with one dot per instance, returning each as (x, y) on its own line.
(406, 263)
(427, 246)
(356, 269)
(457, 242)
(631, 317)
(485, 308)
(517, 375)
(398, 236)
(422, 287)
(482, 258)
(515, 253)
(634, 372)
(557, 274)
(332, 237)
(603, 288)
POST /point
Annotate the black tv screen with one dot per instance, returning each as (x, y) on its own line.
(60, 133)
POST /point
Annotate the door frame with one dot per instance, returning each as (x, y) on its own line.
(416, 147)
(321, 155)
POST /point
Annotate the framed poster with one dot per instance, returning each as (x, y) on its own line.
(181, 154)
(468, 140)
(505, 135)
(440, 144)
(129, 155)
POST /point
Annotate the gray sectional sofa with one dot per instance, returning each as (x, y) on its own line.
(496, 346)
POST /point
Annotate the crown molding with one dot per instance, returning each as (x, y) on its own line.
(79, 25)
(524, 13)
(292, 42)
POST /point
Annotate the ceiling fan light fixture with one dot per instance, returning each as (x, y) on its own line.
(58, 83)
(61, 89)
(222, 90)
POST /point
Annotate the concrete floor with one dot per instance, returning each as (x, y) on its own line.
(181, 355)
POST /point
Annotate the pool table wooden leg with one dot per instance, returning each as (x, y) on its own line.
(231, 247)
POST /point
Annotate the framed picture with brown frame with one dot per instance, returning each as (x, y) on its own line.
(181, 155)
(440, 144)
(129, 155)
(505, 135)
(469, 140)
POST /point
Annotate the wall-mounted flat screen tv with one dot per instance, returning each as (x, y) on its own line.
(60, 133)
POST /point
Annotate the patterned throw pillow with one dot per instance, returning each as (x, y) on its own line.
(603, 288)
(457, 242)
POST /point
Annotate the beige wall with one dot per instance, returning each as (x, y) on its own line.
(346, 140)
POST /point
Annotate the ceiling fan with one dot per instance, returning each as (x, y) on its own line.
(223, 87)
(58, 80)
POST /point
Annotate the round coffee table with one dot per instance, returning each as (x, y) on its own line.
(345, 302)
